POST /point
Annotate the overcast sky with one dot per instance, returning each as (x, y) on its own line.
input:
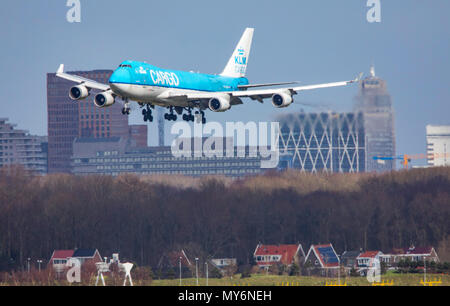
(311, 41)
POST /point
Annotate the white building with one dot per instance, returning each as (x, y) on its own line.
(438, 145)
(18, 147)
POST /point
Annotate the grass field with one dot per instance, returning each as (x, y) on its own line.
(390, 279)
(274, 280)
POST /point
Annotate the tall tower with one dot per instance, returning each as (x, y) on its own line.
(374, 101)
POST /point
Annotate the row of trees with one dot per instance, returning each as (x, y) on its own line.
(145, 217)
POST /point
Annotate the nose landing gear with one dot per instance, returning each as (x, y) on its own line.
(126, 108)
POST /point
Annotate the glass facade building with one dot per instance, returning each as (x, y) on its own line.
(374, 101)
(323, 142)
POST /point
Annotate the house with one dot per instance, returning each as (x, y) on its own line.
(417, 254)
(170, 262)
(367, 260)
(348, 259)
(87, 255)
(285, 254)
(224, 265)
(59, 258)
(322, 259)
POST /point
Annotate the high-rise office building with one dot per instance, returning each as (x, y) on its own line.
(18, 147)
(68, 119)
(438, 145)
(374, 101)
(322, 142)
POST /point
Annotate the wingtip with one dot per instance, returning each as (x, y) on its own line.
(60, 69)
(360, 76)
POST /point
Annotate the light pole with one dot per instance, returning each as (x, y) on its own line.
(196, 269)
(424, 270)
(39, 261)
(180, 270)
(206, 264)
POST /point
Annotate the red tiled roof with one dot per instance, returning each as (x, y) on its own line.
(62, 254)
(287, 252)
(369, 254)
(413, 250)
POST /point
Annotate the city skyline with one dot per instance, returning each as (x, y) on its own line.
(319, 42)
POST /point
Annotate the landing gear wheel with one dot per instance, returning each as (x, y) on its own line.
(126, 108)
(147, 113)
(148, 117)
(171, 116)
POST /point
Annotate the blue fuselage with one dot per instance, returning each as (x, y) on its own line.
(143, 74)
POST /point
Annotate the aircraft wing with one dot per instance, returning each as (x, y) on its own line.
(260, 94)
(80, 80)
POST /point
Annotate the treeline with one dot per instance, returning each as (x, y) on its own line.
(146, 217)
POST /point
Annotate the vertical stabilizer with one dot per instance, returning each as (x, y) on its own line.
(237, 65)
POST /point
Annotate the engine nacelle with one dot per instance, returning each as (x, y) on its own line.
(219, 104)
(104, 99)
(78, 92)
(282, 99)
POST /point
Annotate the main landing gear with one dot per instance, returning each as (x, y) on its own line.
(199, 115)
(147, 113)
(171, 116)
(126, 108)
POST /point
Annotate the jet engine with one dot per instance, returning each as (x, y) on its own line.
(282, 99)
(104, 99)
(78, 92)
(219, 104)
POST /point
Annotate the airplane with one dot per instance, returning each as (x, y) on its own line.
(181, 91)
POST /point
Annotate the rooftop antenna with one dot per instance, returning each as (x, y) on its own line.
(372, 70)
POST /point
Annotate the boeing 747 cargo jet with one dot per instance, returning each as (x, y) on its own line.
(183, 91)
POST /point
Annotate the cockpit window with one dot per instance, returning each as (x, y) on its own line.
(125, 66)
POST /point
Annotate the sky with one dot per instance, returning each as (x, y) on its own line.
(310, 41)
